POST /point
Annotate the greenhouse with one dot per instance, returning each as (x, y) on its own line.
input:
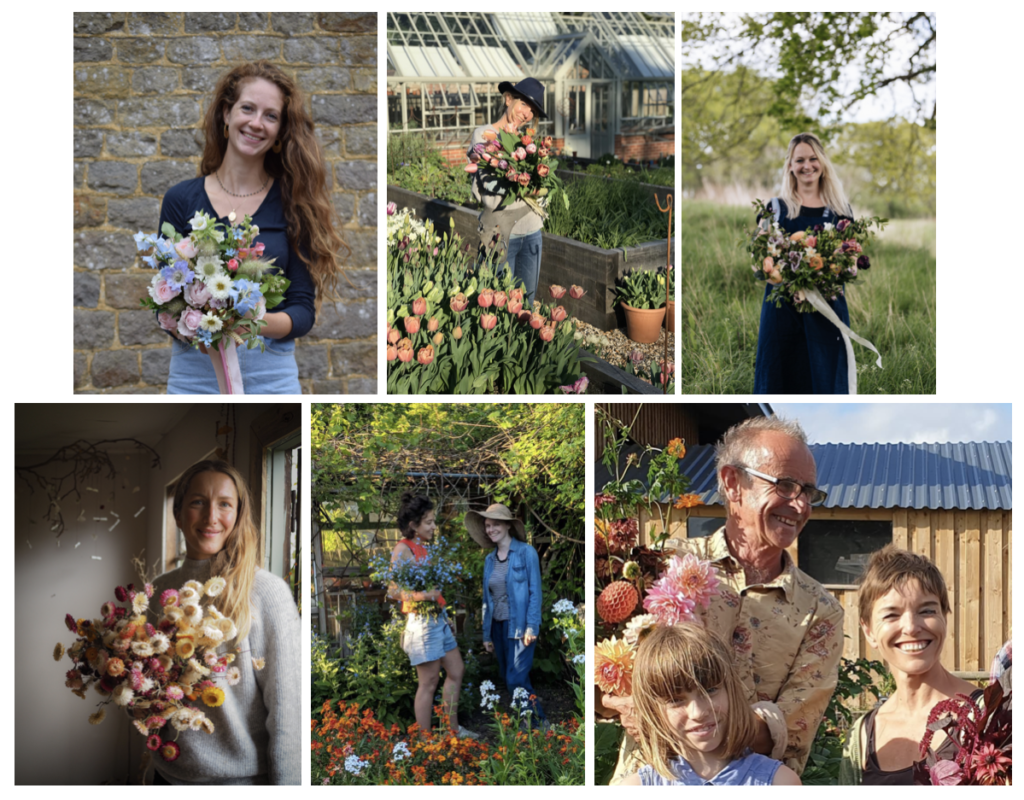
(608, 77)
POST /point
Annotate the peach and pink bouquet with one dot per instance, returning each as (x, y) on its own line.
(821, 259)
(212, 288)
(154, 671)
(522, 167)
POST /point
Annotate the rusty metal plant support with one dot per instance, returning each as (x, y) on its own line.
(668, 267)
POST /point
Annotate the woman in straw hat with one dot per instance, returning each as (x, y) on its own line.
(512, 596)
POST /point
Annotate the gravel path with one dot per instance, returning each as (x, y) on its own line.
(620, 347)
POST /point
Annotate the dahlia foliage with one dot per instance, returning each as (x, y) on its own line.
(151, 671)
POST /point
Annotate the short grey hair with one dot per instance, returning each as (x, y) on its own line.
(739, 444)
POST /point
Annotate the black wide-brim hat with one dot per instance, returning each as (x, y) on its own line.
(531, 90)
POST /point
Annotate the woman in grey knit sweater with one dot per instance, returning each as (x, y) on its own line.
(257, 730)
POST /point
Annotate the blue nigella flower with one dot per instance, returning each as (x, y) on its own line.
(246, 295)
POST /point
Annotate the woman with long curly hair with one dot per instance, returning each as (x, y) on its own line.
(803, 353)
(262, 158)
(257, 729)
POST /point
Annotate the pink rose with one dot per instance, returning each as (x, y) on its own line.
(196, 294)
(185, 249)
(190, 318)
(531, 149)
(232, 265)
(161, 292)
(167, 321)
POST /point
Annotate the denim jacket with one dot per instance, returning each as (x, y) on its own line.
(523, 586)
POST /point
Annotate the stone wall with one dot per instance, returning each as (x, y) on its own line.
(141, 86)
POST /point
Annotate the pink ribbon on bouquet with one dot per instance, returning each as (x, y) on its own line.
(225, 364)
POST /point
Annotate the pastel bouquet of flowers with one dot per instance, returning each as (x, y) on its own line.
(440, 570)
(685, 586)
(523, 168)
(151, 671)
(213, 288)
(810, 267)
(983, 738)
(823, 258)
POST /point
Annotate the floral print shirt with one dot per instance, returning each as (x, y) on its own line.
(787, 636)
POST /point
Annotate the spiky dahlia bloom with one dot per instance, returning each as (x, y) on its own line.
(613, 666)
(636, 627)
(668, 604)
(693, 578)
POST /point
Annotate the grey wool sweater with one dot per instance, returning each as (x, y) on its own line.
(257, 734)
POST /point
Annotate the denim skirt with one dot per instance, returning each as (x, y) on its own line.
(427, 638)
(273, 371)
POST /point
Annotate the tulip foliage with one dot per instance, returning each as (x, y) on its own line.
(457, 327)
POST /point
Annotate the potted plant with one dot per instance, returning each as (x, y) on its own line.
(642, 297)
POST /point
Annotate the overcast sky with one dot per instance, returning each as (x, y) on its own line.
(860, 423)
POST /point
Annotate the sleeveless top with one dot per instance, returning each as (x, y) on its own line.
(752, 769)
(419, 552)
(874, 775)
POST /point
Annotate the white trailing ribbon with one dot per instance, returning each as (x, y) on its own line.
(813, 296)
(225, 364)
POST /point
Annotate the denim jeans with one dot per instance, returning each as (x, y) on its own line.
(514, 662)
(273, 371)
(800, 353)
(523, 257)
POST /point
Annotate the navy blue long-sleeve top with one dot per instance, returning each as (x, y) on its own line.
(182, 202)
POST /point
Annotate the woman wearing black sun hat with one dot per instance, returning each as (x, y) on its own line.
(518, 225)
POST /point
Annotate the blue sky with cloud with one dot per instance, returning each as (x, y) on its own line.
(901, 422)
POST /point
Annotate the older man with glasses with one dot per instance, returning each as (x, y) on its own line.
(785, 628)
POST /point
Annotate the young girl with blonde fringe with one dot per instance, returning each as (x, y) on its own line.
(257, 734)
(695, 725)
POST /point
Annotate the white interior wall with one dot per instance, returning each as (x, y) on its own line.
(54, 742)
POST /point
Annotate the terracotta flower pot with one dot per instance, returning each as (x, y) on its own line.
(670, 316)
(643, 325)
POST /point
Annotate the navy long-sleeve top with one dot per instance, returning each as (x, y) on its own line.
(182, 202)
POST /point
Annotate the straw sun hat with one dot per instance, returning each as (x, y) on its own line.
(475, 523)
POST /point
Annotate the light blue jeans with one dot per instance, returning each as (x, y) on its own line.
(523, 257)
(273, 371)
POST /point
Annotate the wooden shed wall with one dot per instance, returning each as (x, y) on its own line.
(656, 424)
(972, 549)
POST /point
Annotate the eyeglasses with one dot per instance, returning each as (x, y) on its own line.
(789, 489)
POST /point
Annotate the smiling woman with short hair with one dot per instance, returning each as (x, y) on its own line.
(903, 609)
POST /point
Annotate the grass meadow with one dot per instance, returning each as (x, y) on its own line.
(892, 305)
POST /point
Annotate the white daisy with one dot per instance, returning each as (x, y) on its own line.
(143, 649)
(123, 694)
(140, 603)
(220, 286)
(208, 267)
(234, 676)
(215, 586)
(160, 642)
(188, 596)
(210, 323)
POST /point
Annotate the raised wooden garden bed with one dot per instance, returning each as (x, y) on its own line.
(606, 378)
(564, 261)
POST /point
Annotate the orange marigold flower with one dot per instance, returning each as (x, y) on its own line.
(689, 501)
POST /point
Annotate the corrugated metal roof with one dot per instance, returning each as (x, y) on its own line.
(963, 476)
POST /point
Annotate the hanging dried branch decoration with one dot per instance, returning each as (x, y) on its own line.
(85, 459)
